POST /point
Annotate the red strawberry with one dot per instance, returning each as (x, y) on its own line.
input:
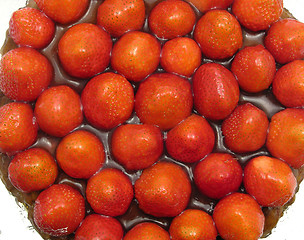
(99, 227)
(108, 100)
(193, 224)
(136, 55)
(30, 27)
(270, 181)
(205, 5)
(288, 84)
(164, 100)
(285, 40)
(163, 190)
(137, 146)
(181, 55)
(147, 231)
(216, 91)
(58, 110)
(32, 170)
(84, 50)
(24, 74)
(285, 139)
(219, 34)
(171, 18)
(245, 130)
(59, 210)
(18, 128)
(63, 11)
(257, 15)
(217, 175)
(80, 154)
(239, 217)
(191, 140)
(254, 68)
(120, 16)
(109, 192)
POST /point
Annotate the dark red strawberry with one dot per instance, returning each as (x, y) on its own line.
(206, 5)
(147, 231)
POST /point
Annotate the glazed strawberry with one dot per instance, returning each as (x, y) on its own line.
(254, 68)
(239, 217)
(219, 34)
(193, 224)
(80, 154)
(30, 27)
(58, 110)
(18, 128)
(84, 50)
(99, 227)
(32, 170)
(63, 11)
(288, 84)
(181, 56)
(205, 5)
(171, 18)
(245, 130)
(191, 140)
(147, 231)
(285, 40)
(164, 100)
(257, 15)
(163, 190)
(120, 16)
(109, 192)
(285, 139)
(136, 55)
(24, 74)
(137, 146)
(217, 175)
(270, 181)
(108, 100)
(216, 91)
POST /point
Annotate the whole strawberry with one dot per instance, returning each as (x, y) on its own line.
(147, 231)
(206, 5)
(59, 210)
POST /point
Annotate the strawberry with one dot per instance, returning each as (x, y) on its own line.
(288, 84)
(285, 139)
(137, 146)
(136, 55)
(191, 140)
(109, 192)
(24, 74)
(164, 100)
(171, 18)
(193, 224)
(245, 130)
(30, 27)
(18, 128)
(84, 50)
(63, 11)
(285, 40)
(99, 227)
(257, 15)
(120, 16)
(108, 100)
(219, 34)
(147, 231)
(59, 210)
(181, 56)
(58, 110)
(163, 190)
(80, 154)
(254, 68)
(32, 170)
(217, 175)
(270, 181)
(206, 5)
(239, 217)
(216, 91)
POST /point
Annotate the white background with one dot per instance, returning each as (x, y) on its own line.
(13, 220)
